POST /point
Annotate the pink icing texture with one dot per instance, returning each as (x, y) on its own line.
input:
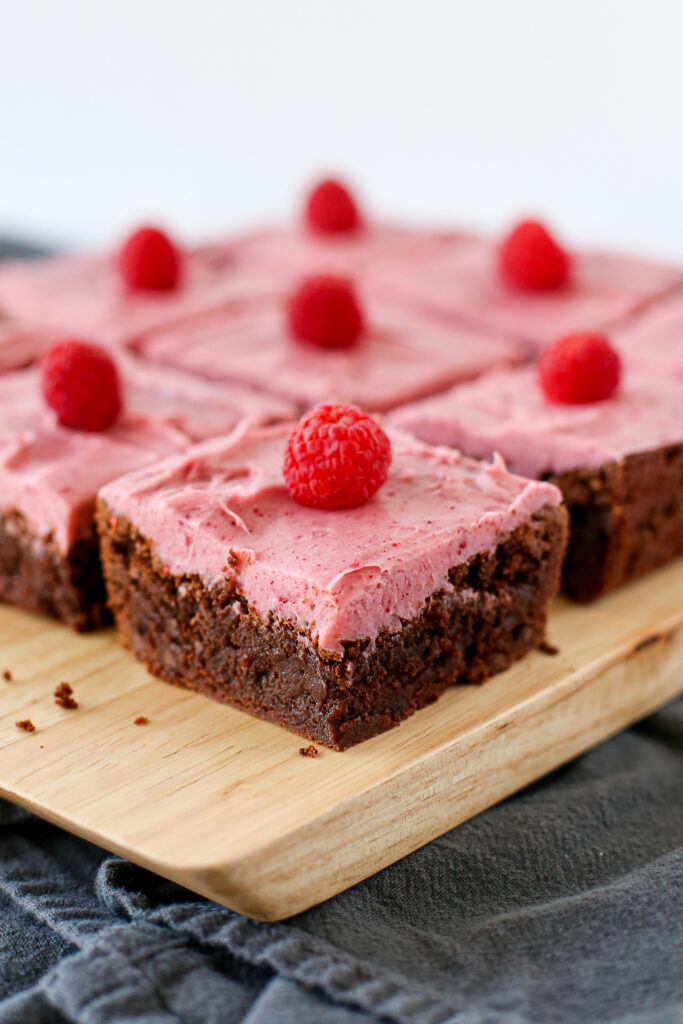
(653, 341)
(21, 344)
(345, 574)
(297, 251)
(84, 294)
(507, 413)
(401, 357)
(462, 281)
(51, 474)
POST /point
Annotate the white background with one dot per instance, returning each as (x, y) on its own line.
(206, 114)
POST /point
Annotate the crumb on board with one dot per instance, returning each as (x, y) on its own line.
(545, 647)
(309, 751)
(141, 720)
(26, 724)
(7, 675)
(63, 697)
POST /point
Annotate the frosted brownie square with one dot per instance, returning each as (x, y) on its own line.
(400, 356)
(461, 281)
(335, 624)
(50, 474)
(618, 463)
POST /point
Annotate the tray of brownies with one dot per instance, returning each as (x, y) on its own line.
(284, 518)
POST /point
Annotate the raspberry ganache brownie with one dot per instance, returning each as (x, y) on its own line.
(115, 297)
(618, 461)
(329, 578)
(50, 472)
(528, 286)
(652, 341)
(322, 343)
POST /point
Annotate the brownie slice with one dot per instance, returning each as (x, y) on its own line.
(37, 576)
(618, 464)
(334, 624)
(50, 474)
(209, 640)
(626, 518)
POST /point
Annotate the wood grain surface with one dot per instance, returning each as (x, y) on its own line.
(224, 803)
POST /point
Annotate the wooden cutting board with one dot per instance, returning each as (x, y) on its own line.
(224, 804)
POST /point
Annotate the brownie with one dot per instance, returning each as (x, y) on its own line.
(626, 518)
(37, 576)
(209, 640)
(50, 474)
(618, 464)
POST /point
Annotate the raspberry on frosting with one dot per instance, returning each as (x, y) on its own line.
(331, 209)
(149, 261)
(81, 384)
(336, 457)
(324, 311)
(580, 368)
(530, 258)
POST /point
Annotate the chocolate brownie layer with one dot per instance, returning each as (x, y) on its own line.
(209, 640)
(626, 518)
(35, 575)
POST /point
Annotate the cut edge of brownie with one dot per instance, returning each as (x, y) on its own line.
(37, 576)
(206, 638)
(625, 519)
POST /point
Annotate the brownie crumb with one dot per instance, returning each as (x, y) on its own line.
(26, 724)
(309, 751)
(545, 647)
(141, 720)
(7, 675)
(63, 697)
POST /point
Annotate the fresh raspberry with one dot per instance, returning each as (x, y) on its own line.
(324, 311)
(81, 383)
(579, 368)
(336, 457)
(149, 261)
(531, 259)
(331, 209)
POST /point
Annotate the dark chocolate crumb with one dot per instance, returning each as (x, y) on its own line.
(7, 675)
(141, 720)
(26, 724)
(310, 751)
(545, 647)
(63, 697)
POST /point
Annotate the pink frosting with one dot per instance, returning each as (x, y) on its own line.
(21, 344)
(295, 251)
(51, 474)
(653, 341)
(403, 356)
(85, 295)
(462, 281)
(345, 574)
(508, 413)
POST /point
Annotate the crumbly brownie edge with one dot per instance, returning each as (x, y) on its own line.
(37, 576)
(625, 519)
(208, 639)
